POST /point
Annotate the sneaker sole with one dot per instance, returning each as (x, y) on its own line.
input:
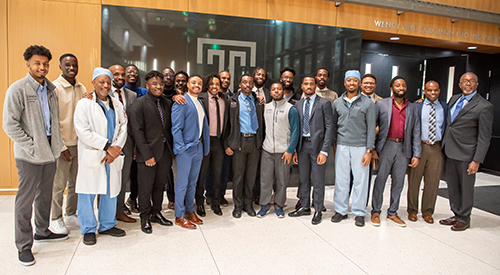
(375, 224)
(398, 224)
(52, 240)
(27, 263)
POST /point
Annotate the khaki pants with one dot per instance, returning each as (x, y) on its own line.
(65, 178)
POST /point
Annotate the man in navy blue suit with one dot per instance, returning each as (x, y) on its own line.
(432, 113)
(191, 142)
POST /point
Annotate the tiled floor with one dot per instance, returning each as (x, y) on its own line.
(224, 245)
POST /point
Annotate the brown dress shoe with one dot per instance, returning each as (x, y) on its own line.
(171, 206)
(412, 217)
(191, 216)
(428, 219)
(184, 223)
(448, 221)
(460, 226)
(124, 218)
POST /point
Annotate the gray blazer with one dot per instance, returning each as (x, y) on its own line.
(320, 123)
(412, 141)
(467, 138)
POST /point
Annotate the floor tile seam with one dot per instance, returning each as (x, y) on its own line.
(73, 256)
(331, 245)
(4, 199)
(456, 249)
(210, 250)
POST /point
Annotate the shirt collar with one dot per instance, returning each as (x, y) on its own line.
(313, 97)
(468, 97)
(65, 82)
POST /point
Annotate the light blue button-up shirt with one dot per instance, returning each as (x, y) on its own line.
(311, 103)
(466, 100)
(44, 103)
(245, 119)
(426, 107)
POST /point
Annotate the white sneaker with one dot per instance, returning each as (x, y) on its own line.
(72, 220)
(59, 227)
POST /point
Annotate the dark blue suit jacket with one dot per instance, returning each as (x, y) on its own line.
(186, 127)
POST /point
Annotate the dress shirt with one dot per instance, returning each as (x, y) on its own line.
(245, 116)
(259, 91)
(398, 118)
(199, 110)
(311, 103)
(372, 96)
(114, 94)
(466, 100)
(212, 110)
(44, 103)
(426, 107)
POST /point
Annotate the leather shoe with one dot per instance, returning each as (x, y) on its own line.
(158, 218)
(132, 204)
(191, 216)
(237, 213)
(317, 217)
(298, 205)
(216, 209)
(224, 202)
(428, 219)
(338, 217)
(200, 210)
(126, 210)
(449, 221)
(412, 217)
(184, 223)
(124, 218)
(460, 226)
(250, 211)
(171, 205)
(300, 212)
(146, 226)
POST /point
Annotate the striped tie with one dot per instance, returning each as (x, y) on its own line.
(306, 130)
(432, 124)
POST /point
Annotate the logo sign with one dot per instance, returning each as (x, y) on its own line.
(247, 48)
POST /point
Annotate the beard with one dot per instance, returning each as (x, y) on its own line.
(398, 95)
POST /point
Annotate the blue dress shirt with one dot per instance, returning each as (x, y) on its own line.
(245, 119)
(426, 107)
(44, 103)
(466, 100)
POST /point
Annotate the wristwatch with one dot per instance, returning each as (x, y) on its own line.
(369, 151)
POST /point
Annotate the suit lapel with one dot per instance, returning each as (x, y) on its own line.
(389, 113)
(191, 105)
(471, 104)
(155, 107)
(315, 106)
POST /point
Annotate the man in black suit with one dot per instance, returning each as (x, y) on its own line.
(465, 143)
(317, 136)
(217, 109)
(151, 129)
(127, 98)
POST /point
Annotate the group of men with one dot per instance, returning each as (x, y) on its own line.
(197, 133)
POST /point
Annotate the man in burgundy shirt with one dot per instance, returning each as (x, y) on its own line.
(397, 147)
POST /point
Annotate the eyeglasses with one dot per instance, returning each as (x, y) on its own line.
(368, 83)
(468, 81)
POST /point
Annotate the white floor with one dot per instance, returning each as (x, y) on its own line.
(224, 245)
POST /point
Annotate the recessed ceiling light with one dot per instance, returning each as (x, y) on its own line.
(472, 48)
(394, 38)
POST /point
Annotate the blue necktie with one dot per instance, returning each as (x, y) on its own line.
(253, 115)
(459, 106)
(305, 129)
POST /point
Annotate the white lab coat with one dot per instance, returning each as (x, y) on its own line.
(91, 129)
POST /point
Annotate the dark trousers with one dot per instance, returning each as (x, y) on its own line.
(133, 181)
(430, 168)
(211, 162)
(311, 174)
(127, 164)
(152, 185)
(460, 188)
(35, 185)
(227, 173)
(170, 186)
(245, 165)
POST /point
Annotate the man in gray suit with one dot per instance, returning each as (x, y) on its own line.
(398, 146)
(317, 136)
(465, 143)
(126, 97)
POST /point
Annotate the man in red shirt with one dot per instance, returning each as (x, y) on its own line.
(397, 146)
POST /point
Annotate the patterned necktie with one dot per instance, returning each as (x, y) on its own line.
(458, 107)
(218, 115)
(160, 111)
(432, 124)
(119, 96)
(253, 115)
(305, 129)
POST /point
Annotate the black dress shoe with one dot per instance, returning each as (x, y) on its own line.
(114, 231)
(89, 239)
(237, 212)
(317, 217)
(224, 202)
(250, 211)
(300, 212)
(200, 210)
(146, 226)
(338, 217)
(217, 210)
(158, 218)
(132, 204)
(298, 205)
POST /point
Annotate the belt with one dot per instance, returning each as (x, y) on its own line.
(397, 140)
(428, 143)
(306, 138)
(247, 135)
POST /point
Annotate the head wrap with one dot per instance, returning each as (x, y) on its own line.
(100, 71)
(352, 73)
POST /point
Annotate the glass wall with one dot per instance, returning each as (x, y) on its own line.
(203, 43)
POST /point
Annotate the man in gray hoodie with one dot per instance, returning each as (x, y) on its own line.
(31, 120)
